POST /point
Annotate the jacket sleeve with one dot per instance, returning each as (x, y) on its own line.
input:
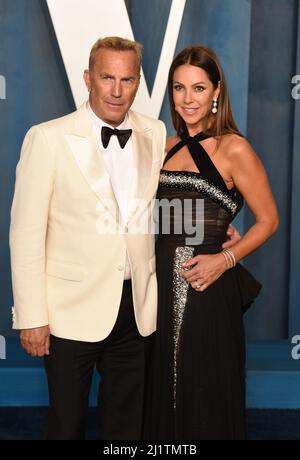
(29, 217)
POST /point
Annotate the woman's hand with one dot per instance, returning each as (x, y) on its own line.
(233, 237)
(206, 270)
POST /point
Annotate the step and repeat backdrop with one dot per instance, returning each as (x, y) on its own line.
(44, 48)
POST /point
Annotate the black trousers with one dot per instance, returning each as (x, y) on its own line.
(120, 360)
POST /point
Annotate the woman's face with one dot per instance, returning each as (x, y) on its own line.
(193, 95)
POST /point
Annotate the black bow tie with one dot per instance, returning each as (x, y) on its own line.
(122, 134)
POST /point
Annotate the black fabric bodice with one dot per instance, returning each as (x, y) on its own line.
(195, 207)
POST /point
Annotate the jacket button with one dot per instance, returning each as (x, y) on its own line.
(120, 267)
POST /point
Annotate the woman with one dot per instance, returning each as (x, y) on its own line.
(196, 387)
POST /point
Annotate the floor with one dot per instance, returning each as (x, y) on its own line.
(19, 423)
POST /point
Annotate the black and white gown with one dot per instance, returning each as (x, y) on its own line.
(196, 383)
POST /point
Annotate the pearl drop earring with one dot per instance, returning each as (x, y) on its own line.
(215, 106)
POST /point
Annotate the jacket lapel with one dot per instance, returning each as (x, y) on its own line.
(83, 145)
(142, 160)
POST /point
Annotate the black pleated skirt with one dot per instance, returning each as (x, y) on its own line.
(196, 380)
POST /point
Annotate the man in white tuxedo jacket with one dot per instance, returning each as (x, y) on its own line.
(82, 249)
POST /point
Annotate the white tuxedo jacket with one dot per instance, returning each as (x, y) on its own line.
(68, 247)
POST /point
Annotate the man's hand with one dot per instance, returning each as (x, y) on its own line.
(233, 237)
(36, 341)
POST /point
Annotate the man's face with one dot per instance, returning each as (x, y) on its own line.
(113, 82)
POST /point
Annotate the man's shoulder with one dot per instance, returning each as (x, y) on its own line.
(145, 120)
(71, 122)
(58, 122)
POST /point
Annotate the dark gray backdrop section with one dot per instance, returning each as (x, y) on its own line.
(294, 274)
(36, 90)
(274, 25)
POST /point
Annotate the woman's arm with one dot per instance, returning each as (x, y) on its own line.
(250, 178)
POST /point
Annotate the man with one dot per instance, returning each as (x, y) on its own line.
(83, 274)
(83, 278)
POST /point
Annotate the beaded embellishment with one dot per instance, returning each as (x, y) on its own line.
(194, 181)
(180, 289)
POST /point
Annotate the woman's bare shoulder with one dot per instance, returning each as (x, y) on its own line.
(239, 154)
(234, 145)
